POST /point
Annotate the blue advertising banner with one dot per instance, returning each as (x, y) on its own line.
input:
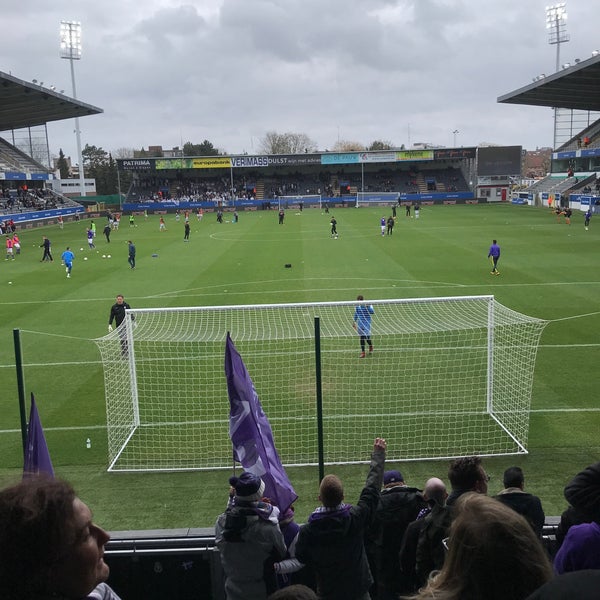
(340, 159)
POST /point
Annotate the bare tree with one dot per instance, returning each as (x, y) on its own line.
(381, 145)
(286, 143)
(123, 153)
(348, 146)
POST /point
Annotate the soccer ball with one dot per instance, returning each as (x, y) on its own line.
(104, 256)
(81, 249)
(108, 256)
(85, 258)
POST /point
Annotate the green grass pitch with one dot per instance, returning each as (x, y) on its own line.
(548, 270)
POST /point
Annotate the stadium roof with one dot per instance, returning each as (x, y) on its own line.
(576, 87)
(24, 104)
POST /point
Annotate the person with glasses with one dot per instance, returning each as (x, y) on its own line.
(466, 474)
(492, 553)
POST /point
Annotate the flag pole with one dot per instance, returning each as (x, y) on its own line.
(20, 386)
(319, 390)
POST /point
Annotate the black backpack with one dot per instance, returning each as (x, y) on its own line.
(430, 549)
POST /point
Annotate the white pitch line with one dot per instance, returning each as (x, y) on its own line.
(304, 418)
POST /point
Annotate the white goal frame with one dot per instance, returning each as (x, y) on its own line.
(449, 376)
(299, 198)
(377, 198)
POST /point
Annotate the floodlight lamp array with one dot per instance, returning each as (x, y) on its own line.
(70, 39)
(555, 13)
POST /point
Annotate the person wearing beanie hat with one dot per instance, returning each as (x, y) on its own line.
(332, 542)
(583, 495)
(248, 487)
(249, 540)
(398, 506)
(580, 548)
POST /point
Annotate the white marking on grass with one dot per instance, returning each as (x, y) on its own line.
(336, 417)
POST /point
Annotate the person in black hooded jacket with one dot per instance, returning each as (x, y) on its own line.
(332, 542)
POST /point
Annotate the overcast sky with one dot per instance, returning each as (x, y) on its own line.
(170, 71)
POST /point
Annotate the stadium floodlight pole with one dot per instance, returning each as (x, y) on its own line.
(556, 17)
(455, 133)
(70, 49)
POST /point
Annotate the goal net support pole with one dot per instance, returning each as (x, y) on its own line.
(447, 377)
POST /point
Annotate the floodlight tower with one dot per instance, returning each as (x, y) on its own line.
(556, 18)
(70, 48)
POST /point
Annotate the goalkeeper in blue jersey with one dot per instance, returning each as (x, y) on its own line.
(362, 324)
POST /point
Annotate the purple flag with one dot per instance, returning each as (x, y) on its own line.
(251, 434)
(37, 457)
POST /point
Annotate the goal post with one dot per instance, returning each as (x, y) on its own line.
(447, 377)
(305, 200)
(377, 198)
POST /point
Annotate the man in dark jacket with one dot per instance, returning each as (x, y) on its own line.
(117, 312)
(528, 505)
(332, 542)
(398, 506)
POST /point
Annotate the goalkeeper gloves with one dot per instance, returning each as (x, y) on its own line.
(109, 328)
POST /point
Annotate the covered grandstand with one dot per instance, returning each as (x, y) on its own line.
(574, 93)
(25, 164)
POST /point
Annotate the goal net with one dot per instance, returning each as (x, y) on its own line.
(376, 198)
(447, 377)
(295, 201)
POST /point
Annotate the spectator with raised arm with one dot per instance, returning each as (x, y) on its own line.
(332, 542)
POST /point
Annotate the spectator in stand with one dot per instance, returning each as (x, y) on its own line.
(579, 585)
(249, 540)
(294, 592)
(493, 554)
(332, 542)
(528, 505)
(466, 474)
(399, 505)
(290, 570)
(579, 529)
(435, 495)
(49, 545)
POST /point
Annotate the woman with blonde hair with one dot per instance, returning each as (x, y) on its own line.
(493, 554)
